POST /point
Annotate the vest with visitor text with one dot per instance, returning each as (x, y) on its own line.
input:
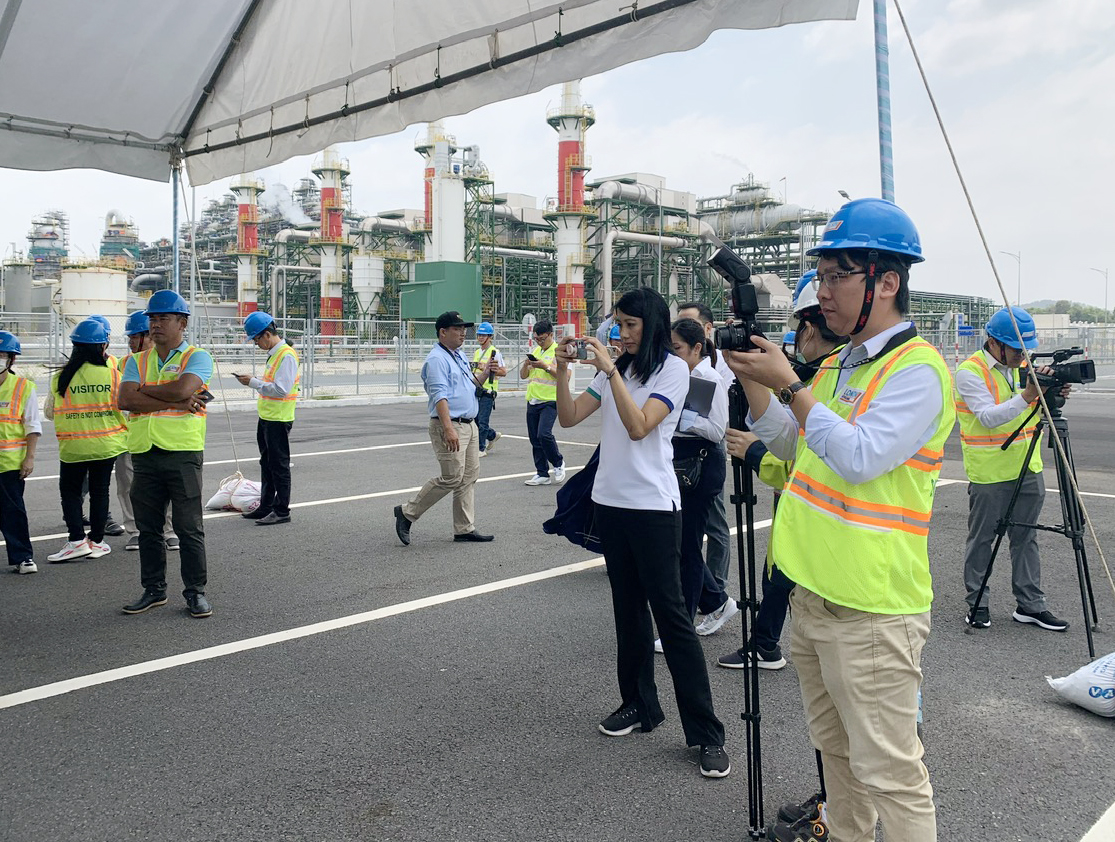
(985, 461)
(480, 358)
(543, 385)
(168, 429)
(864, 545)
(280, 409)
(13, 437)
(87, 419)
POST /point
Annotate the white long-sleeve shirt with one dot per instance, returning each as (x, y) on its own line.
(284, 378)
(711, 428)
(981, 402)
(901, 419)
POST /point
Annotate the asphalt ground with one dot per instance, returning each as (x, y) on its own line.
(438, 712)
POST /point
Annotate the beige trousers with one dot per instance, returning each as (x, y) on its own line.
(459, 471)
(859, 676)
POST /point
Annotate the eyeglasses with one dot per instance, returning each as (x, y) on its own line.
(833, 279)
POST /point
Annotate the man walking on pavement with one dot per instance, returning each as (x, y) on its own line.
(137, 329)
(278, 395)
(451, 401)
(541, 368)
(487, 361)
(164, 389)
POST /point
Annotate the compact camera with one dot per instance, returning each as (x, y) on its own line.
(582, 349)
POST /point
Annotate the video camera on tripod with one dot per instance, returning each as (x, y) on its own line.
(1065, 371)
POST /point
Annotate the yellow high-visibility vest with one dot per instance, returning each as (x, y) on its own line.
(985, 461)
(13, 436)
(865, 545)
(481, 358)
(87, 419)
(169, 429)
(543, 385)
(279, 409)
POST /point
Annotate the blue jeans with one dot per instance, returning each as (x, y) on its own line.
(718, 555)
(540, 428)
(772, 610)
(483, 416)
(13, 518)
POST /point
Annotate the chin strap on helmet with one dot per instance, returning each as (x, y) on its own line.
(868, 292)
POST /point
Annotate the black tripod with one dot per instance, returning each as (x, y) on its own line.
(743, 498)
(1072, 525)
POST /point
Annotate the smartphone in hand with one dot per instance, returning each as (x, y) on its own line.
(205, 395)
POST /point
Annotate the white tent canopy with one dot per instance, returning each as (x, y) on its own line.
(236, 85)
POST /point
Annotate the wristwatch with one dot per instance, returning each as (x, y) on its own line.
(786, 393)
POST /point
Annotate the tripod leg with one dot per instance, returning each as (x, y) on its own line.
(1073, 526)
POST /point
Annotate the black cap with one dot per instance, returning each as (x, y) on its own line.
(451, 318)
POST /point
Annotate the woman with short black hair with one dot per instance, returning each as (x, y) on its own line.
(638, 514)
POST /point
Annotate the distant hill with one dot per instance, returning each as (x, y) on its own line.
(1045, 302)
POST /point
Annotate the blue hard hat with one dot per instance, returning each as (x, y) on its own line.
(615, 332)
(789, 338)
(999, 327)
(871, 224)
(89, 332)
(484, 329)
(257, 323)
(8, 343)
(137, 323)
(167, 301)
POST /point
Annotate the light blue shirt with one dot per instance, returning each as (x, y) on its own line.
(902, 417)
(199, 363)
(447, 376)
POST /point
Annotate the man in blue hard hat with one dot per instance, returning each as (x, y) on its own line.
(21, 426)
(488, 362)
(990, 405)
(164, 388)
(867, 440)
(278, 394)
(137, 329)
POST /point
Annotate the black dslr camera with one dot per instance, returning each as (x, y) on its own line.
(1065, 371)
(745, 303)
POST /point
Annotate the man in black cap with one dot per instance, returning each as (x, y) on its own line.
(450, 385)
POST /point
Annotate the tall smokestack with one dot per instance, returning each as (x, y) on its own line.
(246, 190)
(332, 170)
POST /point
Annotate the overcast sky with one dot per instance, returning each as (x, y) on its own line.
(1025, 88)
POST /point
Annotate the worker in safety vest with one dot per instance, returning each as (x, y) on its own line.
(867, 436)
(137, 330)
(541, 369)
(487, 360)
(278, 394)
(991, 405)
(164, 389)
(91, 433)
(20, 428)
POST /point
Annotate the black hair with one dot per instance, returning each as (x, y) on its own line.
(849, 259)
(543, 326)
(692, 334)
(703, 310)
(83, 353)
(646, 304)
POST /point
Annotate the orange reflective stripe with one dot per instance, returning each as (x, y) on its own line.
(14, 413)
(96, 434)
(926, 460)
(962, 408)
(998, 439)
(878, 377)
(12, 444)
(855, 511)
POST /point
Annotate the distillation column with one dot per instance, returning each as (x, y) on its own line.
(571, 119)
(444, 193)
(246, 190)
(332, 170)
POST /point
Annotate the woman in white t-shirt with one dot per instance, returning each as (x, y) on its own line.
(638, 515)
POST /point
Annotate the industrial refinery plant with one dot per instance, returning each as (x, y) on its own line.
(305, 253)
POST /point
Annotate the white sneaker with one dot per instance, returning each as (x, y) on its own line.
(493, 441)
(72, 550)
(538, 480)
(658, 645)
(717, 618)
(484, 453)
(559, 473)
(97, 550)
(27, 567)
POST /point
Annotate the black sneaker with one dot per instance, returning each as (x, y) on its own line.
(980, 618)
(150, 599)
(769, 659)
(197, 605)
(1044, 619)
(621, 723)
(715, 762)
(804, 830)
(113, 528)
(808, 809)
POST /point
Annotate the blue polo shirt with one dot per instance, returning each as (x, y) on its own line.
(447, 376)
(199, 363)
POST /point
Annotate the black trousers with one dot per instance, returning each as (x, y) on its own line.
(273, 438)
(540, 430)
(162, 478)
(72, 477)
(13, 518)
(642, 550)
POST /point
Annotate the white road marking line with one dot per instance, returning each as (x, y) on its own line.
(1104, 829)
(70, 685)
(559, 441)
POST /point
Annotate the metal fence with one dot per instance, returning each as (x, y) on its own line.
(342, 358)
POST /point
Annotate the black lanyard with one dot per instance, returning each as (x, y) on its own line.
(461, 364)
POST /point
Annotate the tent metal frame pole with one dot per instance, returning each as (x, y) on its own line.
(882, 93)
(174, 175)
